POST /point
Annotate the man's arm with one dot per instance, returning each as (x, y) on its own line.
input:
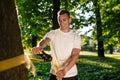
(73, 59)
(42, 45)
(69, 63)
(44, 42)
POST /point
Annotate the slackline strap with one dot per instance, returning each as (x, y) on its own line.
(11, 62)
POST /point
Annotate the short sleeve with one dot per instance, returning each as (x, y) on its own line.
(50, 34)
(77, 41)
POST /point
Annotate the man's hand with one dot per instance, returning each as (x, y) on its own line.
(60, 74)
(36, 50)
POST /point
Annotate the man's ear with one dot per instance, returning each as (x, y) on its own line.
(70, 20)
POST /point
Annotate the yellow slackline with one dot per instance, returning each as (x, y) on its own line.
(12, 62)
(39, 60)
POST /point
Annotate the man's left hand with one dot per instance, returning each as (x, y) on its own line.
(60, 74)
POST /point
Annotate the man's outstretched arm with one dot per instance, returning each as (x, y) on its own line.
(42, 45)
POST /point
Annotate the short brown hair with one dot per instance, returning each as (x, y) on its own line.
(61, 12)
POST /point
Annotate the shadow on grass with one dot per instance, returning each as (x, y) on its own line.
(95, 68)
(105, 61)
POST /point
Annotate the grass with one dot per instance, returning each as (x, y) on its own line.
(90, 67)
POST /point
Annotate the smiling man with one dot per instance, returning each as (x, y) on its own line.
(65, 48)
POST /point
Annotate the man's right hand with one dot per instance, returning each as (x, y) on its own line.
(36, 50)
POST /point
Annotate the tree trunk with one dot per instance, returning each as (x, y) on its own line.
(34, 41)
(10, 41)
(99, 30)
(56, 8)
(111, 48)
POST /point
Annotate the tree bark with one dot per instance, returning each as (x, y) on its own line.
(99, 29)
(56, 8)
(10, 41)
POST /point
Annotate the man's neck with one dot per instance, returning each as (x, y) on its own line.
(65, 30)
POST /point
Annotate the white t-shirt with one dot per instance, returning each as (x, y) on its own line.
(61, 47)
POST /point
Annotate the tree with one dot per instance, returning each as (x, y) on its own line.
(10, 41)
(56, 8)
(110, 11)
(99, 29)
(35, 20)
(96, 10)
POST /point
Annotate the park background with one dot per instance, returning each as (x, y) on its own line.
(23, 23)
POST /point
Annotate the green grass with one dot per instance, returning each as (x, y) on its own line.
(90, 67)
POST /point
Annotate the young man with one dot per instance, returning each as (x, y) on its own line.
(65, 48)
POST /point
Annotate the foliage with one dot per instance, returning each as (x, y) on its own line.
(34, 19)
(90, 67)
(110, 12)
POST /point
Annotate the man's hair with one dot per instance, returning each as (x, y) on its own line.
(61, 12)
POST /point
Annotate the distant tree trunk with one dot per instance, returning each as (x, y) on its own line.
(111, 51)
(56, 8)
(10, 41)
(111, 48)
(34, 37)
(34, 41)
(99, 30)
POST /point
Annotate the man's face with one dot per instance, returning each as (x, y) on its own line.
(64, 21)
